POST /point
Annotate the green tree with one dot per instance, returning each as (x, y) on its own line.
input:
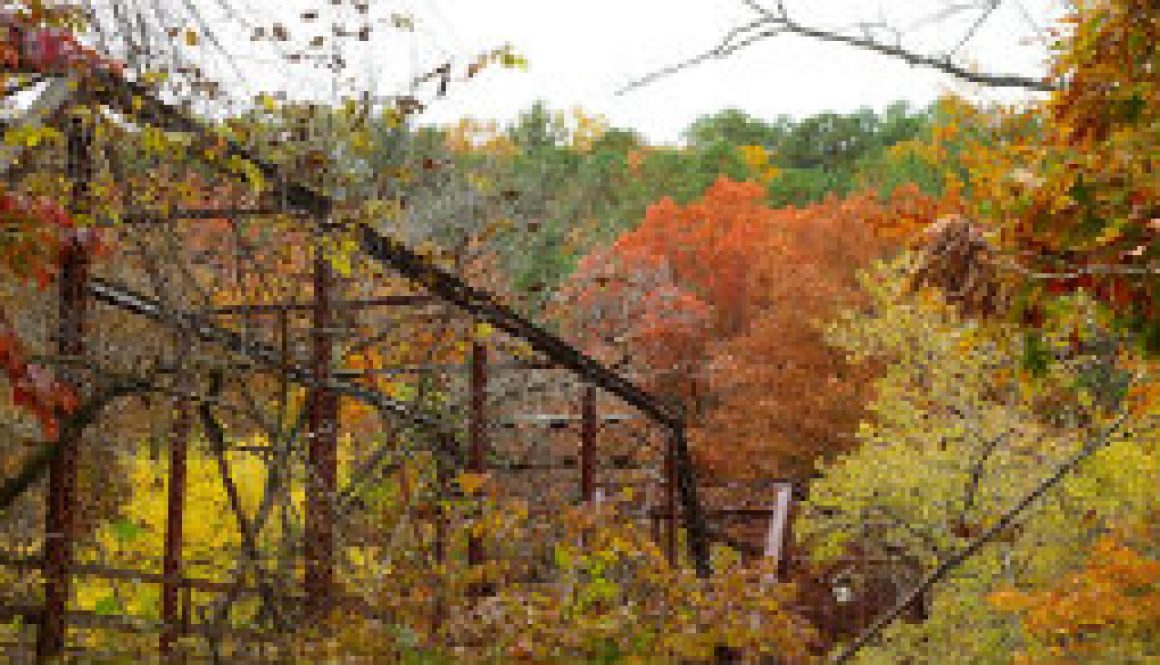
(959, 431)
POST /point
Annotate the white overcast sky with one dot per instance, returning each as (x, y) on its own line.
(580, 53)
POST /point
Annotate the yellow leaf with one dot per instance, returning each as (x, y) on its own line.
(360, 142)
(191, 38)
(471, 483)
(341, 263)
(483, 331)
(30, 136)
(153, 78)
(1008, 601)
(1112, 232)
(267, 103)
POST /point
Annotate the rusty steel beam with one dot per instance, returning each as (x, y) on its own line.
(439, 605)
(283, 364)
(322, 461)
(61, 506)
(172, 566)
(671, 520)
(588, 431)
(439, 547)
(398, 300)
(434, 368)
(60, 517)
(477, 437)
(17, 561)
(486, 307)
(148, 217)
(719, 513)
(264, 355)
(683, 475)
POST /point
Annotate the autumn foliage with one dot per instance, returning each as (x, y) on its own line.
(1106, 611)
(720, 303)
(1070, 187)
(780, 396)
(39, 234)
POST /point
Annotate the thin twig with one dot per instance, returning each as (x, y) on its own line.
(987, 11)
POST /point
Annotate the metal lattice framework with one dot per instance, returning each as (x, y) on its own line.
(147, 332)
(197, 357)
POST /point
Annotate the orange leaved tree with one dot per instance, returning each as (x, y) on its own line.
(720, 303)
(780, 396)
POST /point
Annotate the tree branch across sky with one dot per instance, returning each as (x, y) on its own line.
(774, 22)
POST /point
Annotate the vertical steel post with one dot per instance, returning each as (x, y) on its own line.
(186, 607)
(60, 516)
(439, 610)
(670, 502)
(172, 567)
(685, 479)
(322, 458)
(588, 432)
(283, 361)
(477, 453)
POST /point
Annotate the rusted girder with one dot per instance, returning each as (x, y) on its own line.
(588, 431)
(172, 565)
(60, 517)
(477, 443)
(322, 459)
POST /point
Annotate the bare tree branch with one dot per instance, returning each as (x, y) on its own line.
(772, 24)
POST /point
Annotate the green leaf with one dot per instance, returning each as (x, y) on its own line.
(1035, 354)
(1133, 107)
(107, 606)
(126, 531)
(562, 557)
(1080, 191)
(1151, 337)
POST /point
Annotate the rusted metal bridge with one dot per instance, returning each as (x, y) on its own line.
(112, 318)
(93, 293)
